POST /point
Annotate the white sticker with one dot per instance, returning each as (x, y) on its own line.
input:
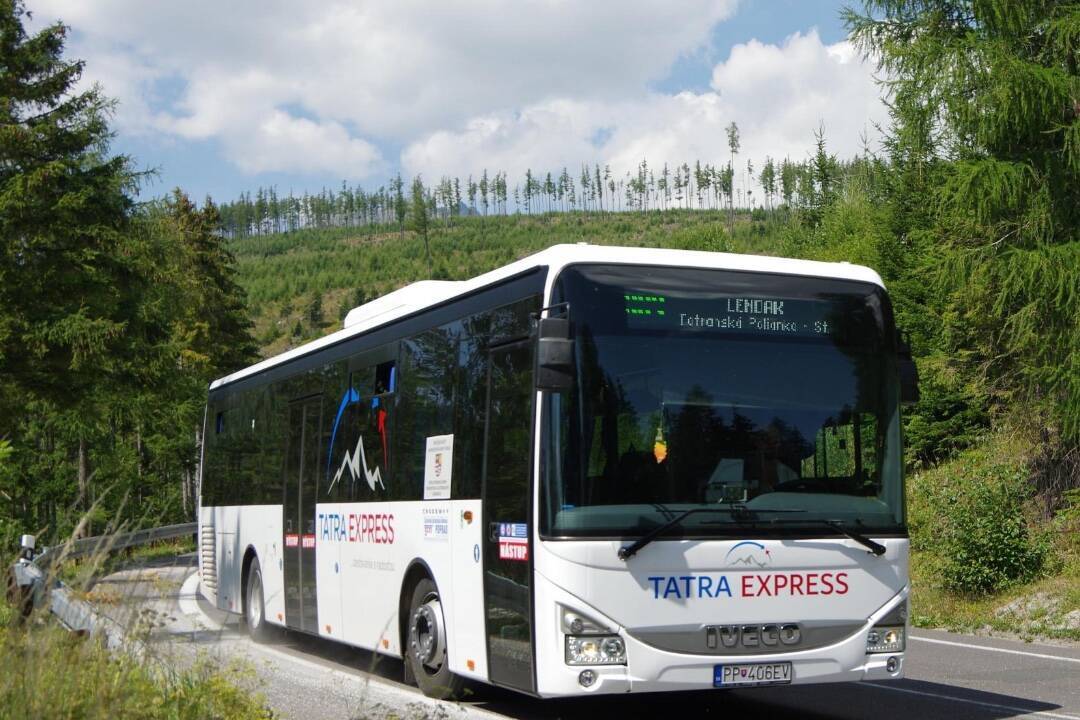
(438, 467)
(436, 523)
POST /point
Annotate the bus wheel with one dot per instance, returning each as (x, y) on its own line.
(425, 649)
(254, 606)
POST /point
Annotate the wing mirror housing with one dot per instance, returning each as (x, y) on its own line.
(554, 355)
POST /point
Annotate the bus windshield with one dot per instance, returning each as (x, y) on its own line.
(764, 393)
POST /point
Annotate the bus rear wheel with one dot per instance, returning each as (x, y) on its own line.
(425, 644)
(254, 605)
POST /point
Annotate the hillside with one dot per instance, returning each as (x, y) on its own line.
(301, 284)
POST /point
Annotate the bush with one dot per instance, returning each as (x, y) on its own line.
(711, 237)
(988, 546)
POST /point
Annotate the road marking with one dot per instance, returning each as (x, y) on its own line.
(969, 646)
(995, 706)
(188, 600)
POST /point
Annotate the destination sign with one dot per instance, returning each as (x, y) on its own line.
(730, 314)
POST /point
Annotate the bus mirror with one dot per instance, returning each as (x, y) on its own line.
(909, 373)
(554, 355)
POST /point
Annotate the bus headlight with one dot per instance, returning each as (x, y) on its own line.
(595, 650)
(884, 639)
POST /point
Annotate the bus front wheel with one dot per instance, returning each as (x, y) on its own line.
(425, 644)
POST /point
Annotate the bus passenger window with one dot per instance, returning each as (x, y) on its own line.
(385, 377)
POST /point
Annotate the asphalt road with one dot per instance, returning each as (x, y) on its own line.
(950, 676)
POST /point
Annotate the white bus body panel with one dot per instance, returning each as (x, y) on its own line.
(237, 528)
(359, 576)
(588, 577)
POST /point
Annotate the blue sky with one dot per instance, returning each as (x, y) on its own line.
(275, 93)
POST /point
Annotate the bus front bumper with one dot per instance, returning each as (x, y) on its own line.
(649, 669)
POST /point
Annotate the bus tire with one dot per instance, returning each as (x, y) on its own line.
(426, 649)
(255, 605)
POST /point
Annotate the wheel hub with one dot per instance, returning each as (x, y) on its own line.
(427, 637)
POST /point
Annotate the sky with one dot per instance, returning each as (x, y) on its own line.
(220, 98)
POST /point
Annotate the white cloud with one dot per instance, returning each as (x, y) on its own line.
(777, 94)
(256, 74)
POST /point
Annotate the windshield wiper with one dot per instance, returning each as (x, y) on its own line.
(740, 511)
(874, 547)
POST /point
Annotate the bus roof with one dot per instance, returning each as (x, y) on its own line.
(428, 293)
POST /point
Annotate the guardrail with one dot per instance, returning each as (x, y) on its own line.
(31, 586)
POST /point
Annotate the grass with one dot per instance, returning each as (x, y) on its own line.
(1033, 611)
(52, 673)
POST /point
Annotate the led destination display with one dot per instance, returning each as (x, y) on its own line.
(730, 313)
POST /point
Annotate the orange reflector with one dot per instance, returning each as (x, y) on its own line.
(467, 516)
(470, 664)
(385, 643)
(328, 630)
(280, 617)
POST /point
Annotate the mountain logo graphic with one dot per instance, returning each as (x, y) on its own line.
(356, 461)
(750, 554)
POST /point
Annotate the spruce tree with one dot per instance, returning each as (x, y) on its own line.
(64, 206)
(993, 86)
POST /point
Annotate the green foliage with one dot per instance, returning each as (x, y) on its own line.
(974, 514)
(53, 673)
(988, 546)
(994, 86)
(113, 317)
(950, 416)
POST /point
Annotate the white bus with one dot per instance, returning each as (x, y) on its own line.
(594, 470)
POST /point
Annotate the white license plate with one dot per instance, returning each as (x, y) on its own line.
(746, 674)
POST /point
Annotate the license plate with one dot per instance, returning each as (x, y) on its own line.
(747, 674)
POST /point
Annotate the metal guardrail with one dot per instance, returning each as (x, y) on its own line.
(31, 586)
(109, 543)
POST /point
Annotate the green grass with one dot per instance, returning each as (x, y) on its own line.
(1032, 611)
(52, 673)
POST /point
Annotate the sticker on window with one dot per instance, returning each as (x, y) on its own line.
(438, 467)
(514, 542)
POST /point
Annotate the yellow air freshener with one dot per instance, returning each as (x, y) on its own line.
(659, 448)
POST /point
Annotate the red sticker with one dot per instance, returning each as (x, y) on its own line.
(514, 549)
(292, 540)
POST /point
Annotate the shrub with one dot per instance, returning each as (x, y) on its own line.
(988, 546)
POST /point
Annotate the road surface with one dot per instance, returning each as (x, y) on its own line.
(950, 676)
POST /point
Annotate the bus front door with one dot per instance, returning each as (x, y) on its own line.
(301, 478)
(507, 544)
